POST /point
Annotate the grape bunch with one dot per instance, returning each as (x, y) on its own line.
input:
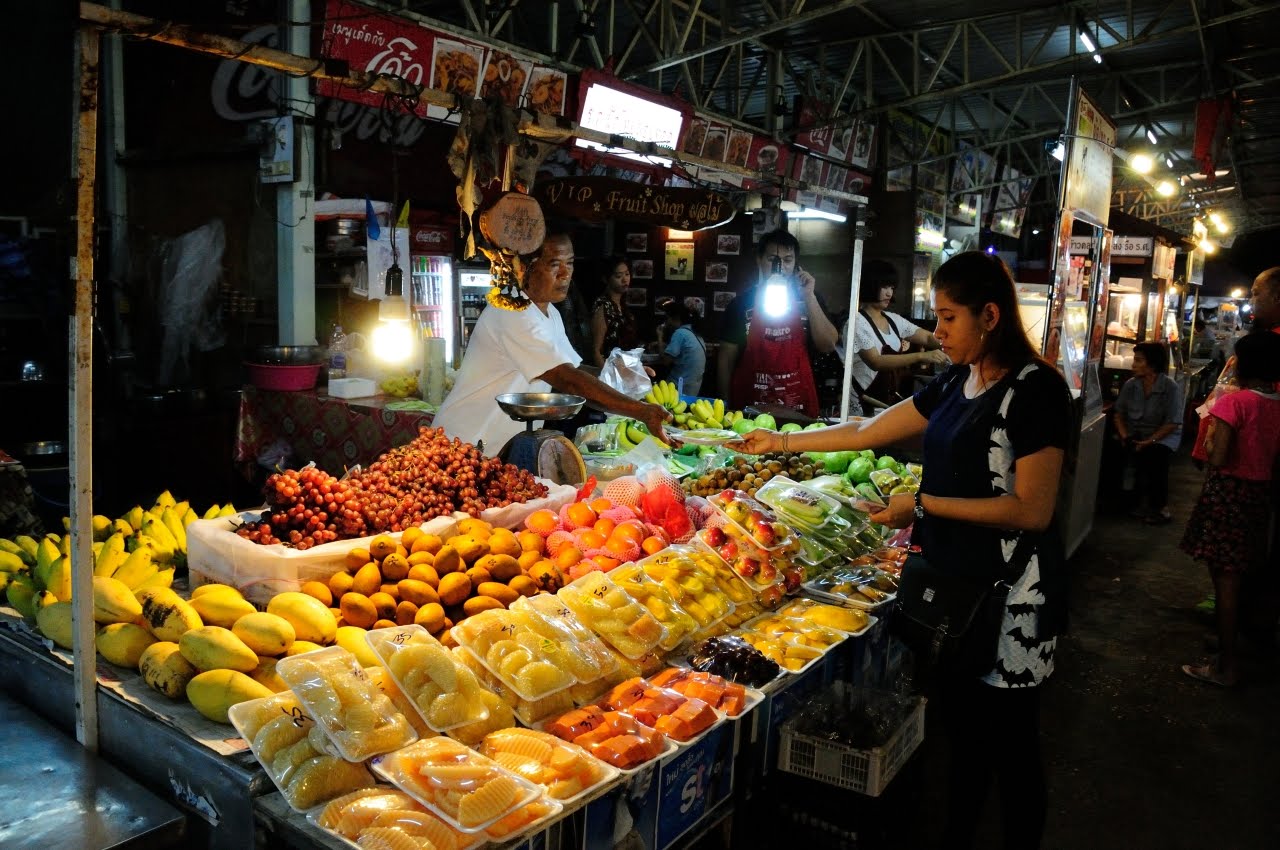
(306, 507)
(434, 475)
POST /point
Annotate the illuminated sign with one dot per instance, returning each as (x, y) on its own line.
(607, 109)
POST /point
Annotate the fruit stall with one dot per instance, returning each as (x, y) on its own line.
(443, 648)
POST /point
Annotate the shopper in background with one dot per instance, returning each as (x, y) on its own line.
(764, 348)
(882, 343)
(685, 352)
(1228, 526)
(995, 430)
(1148, 419)
(577, 321)
(612, 325)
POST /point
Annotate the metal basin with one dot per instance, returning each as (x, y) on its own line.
(528, 406)
(289, 355)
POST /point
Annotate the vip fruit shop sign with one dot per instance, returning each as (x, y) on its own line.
(607, 198)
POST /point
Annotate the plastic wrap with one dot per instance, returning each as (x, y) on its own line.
(566, 771)
(624, 371)
(506, 643)
(442, 691)
(365, 819)
(608, 611)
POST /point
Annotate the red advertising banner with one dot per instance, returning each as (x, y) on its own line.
(376, 43)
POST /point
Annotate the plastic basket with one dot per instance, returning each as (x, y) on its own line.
(864, 771)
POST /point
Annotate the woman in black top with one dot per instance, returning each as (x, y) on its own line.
(995, 430)
(612, 325)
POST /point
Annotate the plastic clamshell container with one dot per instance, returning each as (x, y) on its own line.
(339, 695)
(607, 610)
(840, 618)
(885, 480)
(768, 591)
(294, 752)
(523, 821)
(798, 631)
(586, 643)
(690, 578)
(650, 704)
(387, 807)
(783, 542)
(509, 647)
(782, 652)
(657, 601)
(443, 692)
(565, 771)
(526, 711)
(494, 694)
(800, 507)
(470, 792)
(627, 722)
(843, 587)
(381, 677)
(732, 585)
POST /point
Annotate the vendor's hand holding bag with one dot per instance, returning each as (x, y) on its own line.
(953, 622)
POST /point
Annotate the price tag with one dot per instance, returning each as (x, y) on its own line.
(299, 718)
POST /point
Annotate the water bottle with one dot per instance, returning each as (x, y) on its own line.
(337, 353)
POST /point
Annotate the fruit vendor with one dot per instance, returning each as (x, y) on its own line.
(764, 353)
(527, 351)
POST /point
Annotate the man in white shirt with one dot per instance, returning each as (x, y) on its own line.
(529, 352)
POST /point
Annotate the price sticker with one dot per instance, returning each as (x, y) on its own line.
(299, 718)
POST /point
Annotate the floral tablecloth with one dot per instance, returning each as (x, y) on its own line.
(311, 426)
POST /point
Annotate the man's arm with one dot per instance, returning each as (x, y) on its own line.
(726, 361)
(570, 379)
(821, 331)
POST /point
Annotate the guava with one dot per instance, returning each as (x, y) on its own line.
(765, 420)
(789, 427)
(886, 462)
(859, 470)
(814, 426)
(743, 426)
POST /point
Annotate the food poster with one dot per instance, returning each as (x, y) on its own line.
(714, 146)
(679, 261)
(1062, 272)
(972, 168)
(811, 171)
(455, 67)
(1089, 162)
(505, 78)
(1011, 203)
(862, 149)
(546, 91)
(378, 44)
(767, 156)
(695, 136)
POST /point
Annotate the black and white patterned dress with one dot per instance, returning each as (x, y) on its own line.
(971, 450)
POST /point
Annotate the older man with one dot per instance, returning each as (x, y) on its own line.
(529, 352)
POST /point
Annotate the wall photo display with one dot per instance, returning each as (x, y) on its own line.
(642, 269)
(637, 296)
(728, 244)
(720, 300)
(679, 261)
(637, 243)
(717, 272)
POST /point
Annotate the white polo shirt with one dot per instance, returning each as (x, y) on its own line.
(506, 354)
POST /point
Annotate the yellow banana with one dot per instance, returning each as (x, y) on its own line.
(228, 510)
(173, 522)
(181, 507)
(213, 512)
(134, 517)
(107, 565)
(162, 539)
(189, 517)
(165, 500)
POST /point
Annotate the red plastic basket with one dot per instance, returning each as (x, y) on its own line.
(284, 378)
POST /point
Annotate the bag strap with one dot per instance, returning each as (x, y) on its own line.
(874, 329)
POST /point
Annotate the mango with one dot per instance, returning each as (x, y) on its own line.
(55, 622)
(301, 646)
(428, 543)
(504, 542)
(448, 560)
(216, 648)
(394, 567)
(214, 588)
(165, 670)
(454, 588)
(418, 592)
(265, 634)
(123, 643)
(167, 615)
(114, 602)
(385, 605)
(425, 573)
(215, 691)
(430, 617)
(265, 674)
(501, 567)
(320, 590)
(222, 609)
(499, 591)
(358, 610)
(352, 640)
(368, 580)
(476, 604)
(311, 620)
(468, 547)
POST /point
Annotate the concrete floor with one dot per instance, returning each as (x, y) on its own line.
(1138, 755)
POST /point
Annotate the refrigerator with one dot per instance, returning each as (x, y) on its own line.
(433, 286)
(473, 286)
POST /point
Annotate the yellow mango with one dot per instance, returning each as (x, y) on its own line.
(311, 619)
(165, 670)
(215, 691)
(216, 648)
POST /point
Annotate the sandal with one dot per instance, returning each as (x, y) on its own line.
(1207, 673)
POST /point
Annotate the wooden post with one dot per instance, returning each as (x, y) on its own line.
(85, 133)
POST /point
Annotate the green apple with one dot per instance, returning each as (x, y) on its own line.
(814, 426)
(789, 427)
(765, 420)
(743, 426)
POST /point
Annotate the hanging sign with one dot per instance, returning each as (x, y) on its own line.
(1091, 143)
(610, 199)
(1132, 246)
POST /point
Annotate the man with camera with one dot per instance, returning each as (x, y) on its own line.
(764, 353)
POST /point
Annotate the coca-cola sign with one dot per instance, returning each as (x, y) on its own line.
(432, 237)
(378, 44)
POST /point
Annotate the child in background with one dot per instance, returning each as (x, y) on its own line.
(1228, 526)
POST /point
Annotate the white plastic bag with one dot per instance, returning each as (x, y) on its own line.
(624, 371)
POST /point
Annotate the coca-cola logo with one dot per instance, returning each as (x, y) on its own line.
(430, 237)
(241, 91)
(398, 60)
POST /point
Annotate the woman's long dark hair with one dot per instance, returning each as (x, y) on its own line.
(975, 279)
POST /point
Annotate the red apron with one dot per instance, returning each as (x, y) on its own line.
(774, 366)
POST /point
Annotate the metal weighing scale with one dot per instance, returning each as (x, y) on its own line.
(544, 452)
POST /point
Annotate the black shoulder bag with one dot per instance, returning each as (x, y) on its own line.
(952, 622)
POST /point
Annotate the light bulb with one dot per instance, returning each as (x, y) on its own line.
(1165, 188)
(777, 292)
(392, 341)
(1141, 163)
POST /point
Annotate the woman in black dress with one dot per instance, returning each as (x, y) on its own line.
(995, 430)
(612, 325)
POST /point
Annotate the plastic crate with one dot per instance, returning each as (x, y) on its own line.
(864, 771)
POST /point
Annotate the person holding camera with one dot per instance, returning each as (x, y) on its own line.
(764, 350)
(1148, 420)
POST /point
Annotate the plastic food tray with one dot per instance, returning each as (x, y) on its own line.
(653, 563)
(338, 670)
(288, 705)
(732, 585)
(313, 815)
(586, 596)
(812, 588)
(479, 633)
(680, 624)
(554, 808)
(585, 641)
(799, 670)
(386, 643)
(608, 772)
(756, 622)
(757, 587)
(780, 492)
(390, 768)
(796, 607)
(721, 517)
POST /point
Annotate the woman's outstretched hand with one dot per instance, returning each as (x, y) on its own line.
(757, 442)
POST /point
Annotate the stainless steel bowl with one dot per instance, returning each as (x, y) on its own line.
(289, 355)
(527, 406)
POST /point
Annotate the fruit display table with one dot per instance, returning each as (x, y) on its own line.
(215, 791)
(336, 433)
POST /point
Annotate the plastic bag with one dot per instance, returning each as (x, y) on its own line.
(624, 371)
(191, 266)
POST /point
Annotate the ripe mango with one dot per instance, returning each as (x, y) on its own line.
(469, 547)
(215, 691)
(123, 643)
(165, 670)
(265, 634)
(476, 604)
(222, 609)
(55, 622)
(301, 646)
(418, 592)
(168, 615)
(265, 674)
(454, 588)
(352, 640)
(216, 648)
(114, 602)
(311, 619)
(358, 610)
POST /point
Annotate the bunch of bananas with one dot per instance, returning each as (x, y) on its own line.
(700, 414)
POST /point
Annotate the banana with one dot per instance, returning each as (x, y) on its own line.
(11, 563)
(173, 521)
(165, 545)
(181, 507)
(189, 517)
(136, 569)
(651, 397)
(134, 517)
(107, 566)
(681, 407)
(101, 527)
(213, 512)
(635, 435)
(719, 409)
(110, 546)
(164, 500)
(228, 510)
(17, 551)
(121, 526)
(681, 419)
